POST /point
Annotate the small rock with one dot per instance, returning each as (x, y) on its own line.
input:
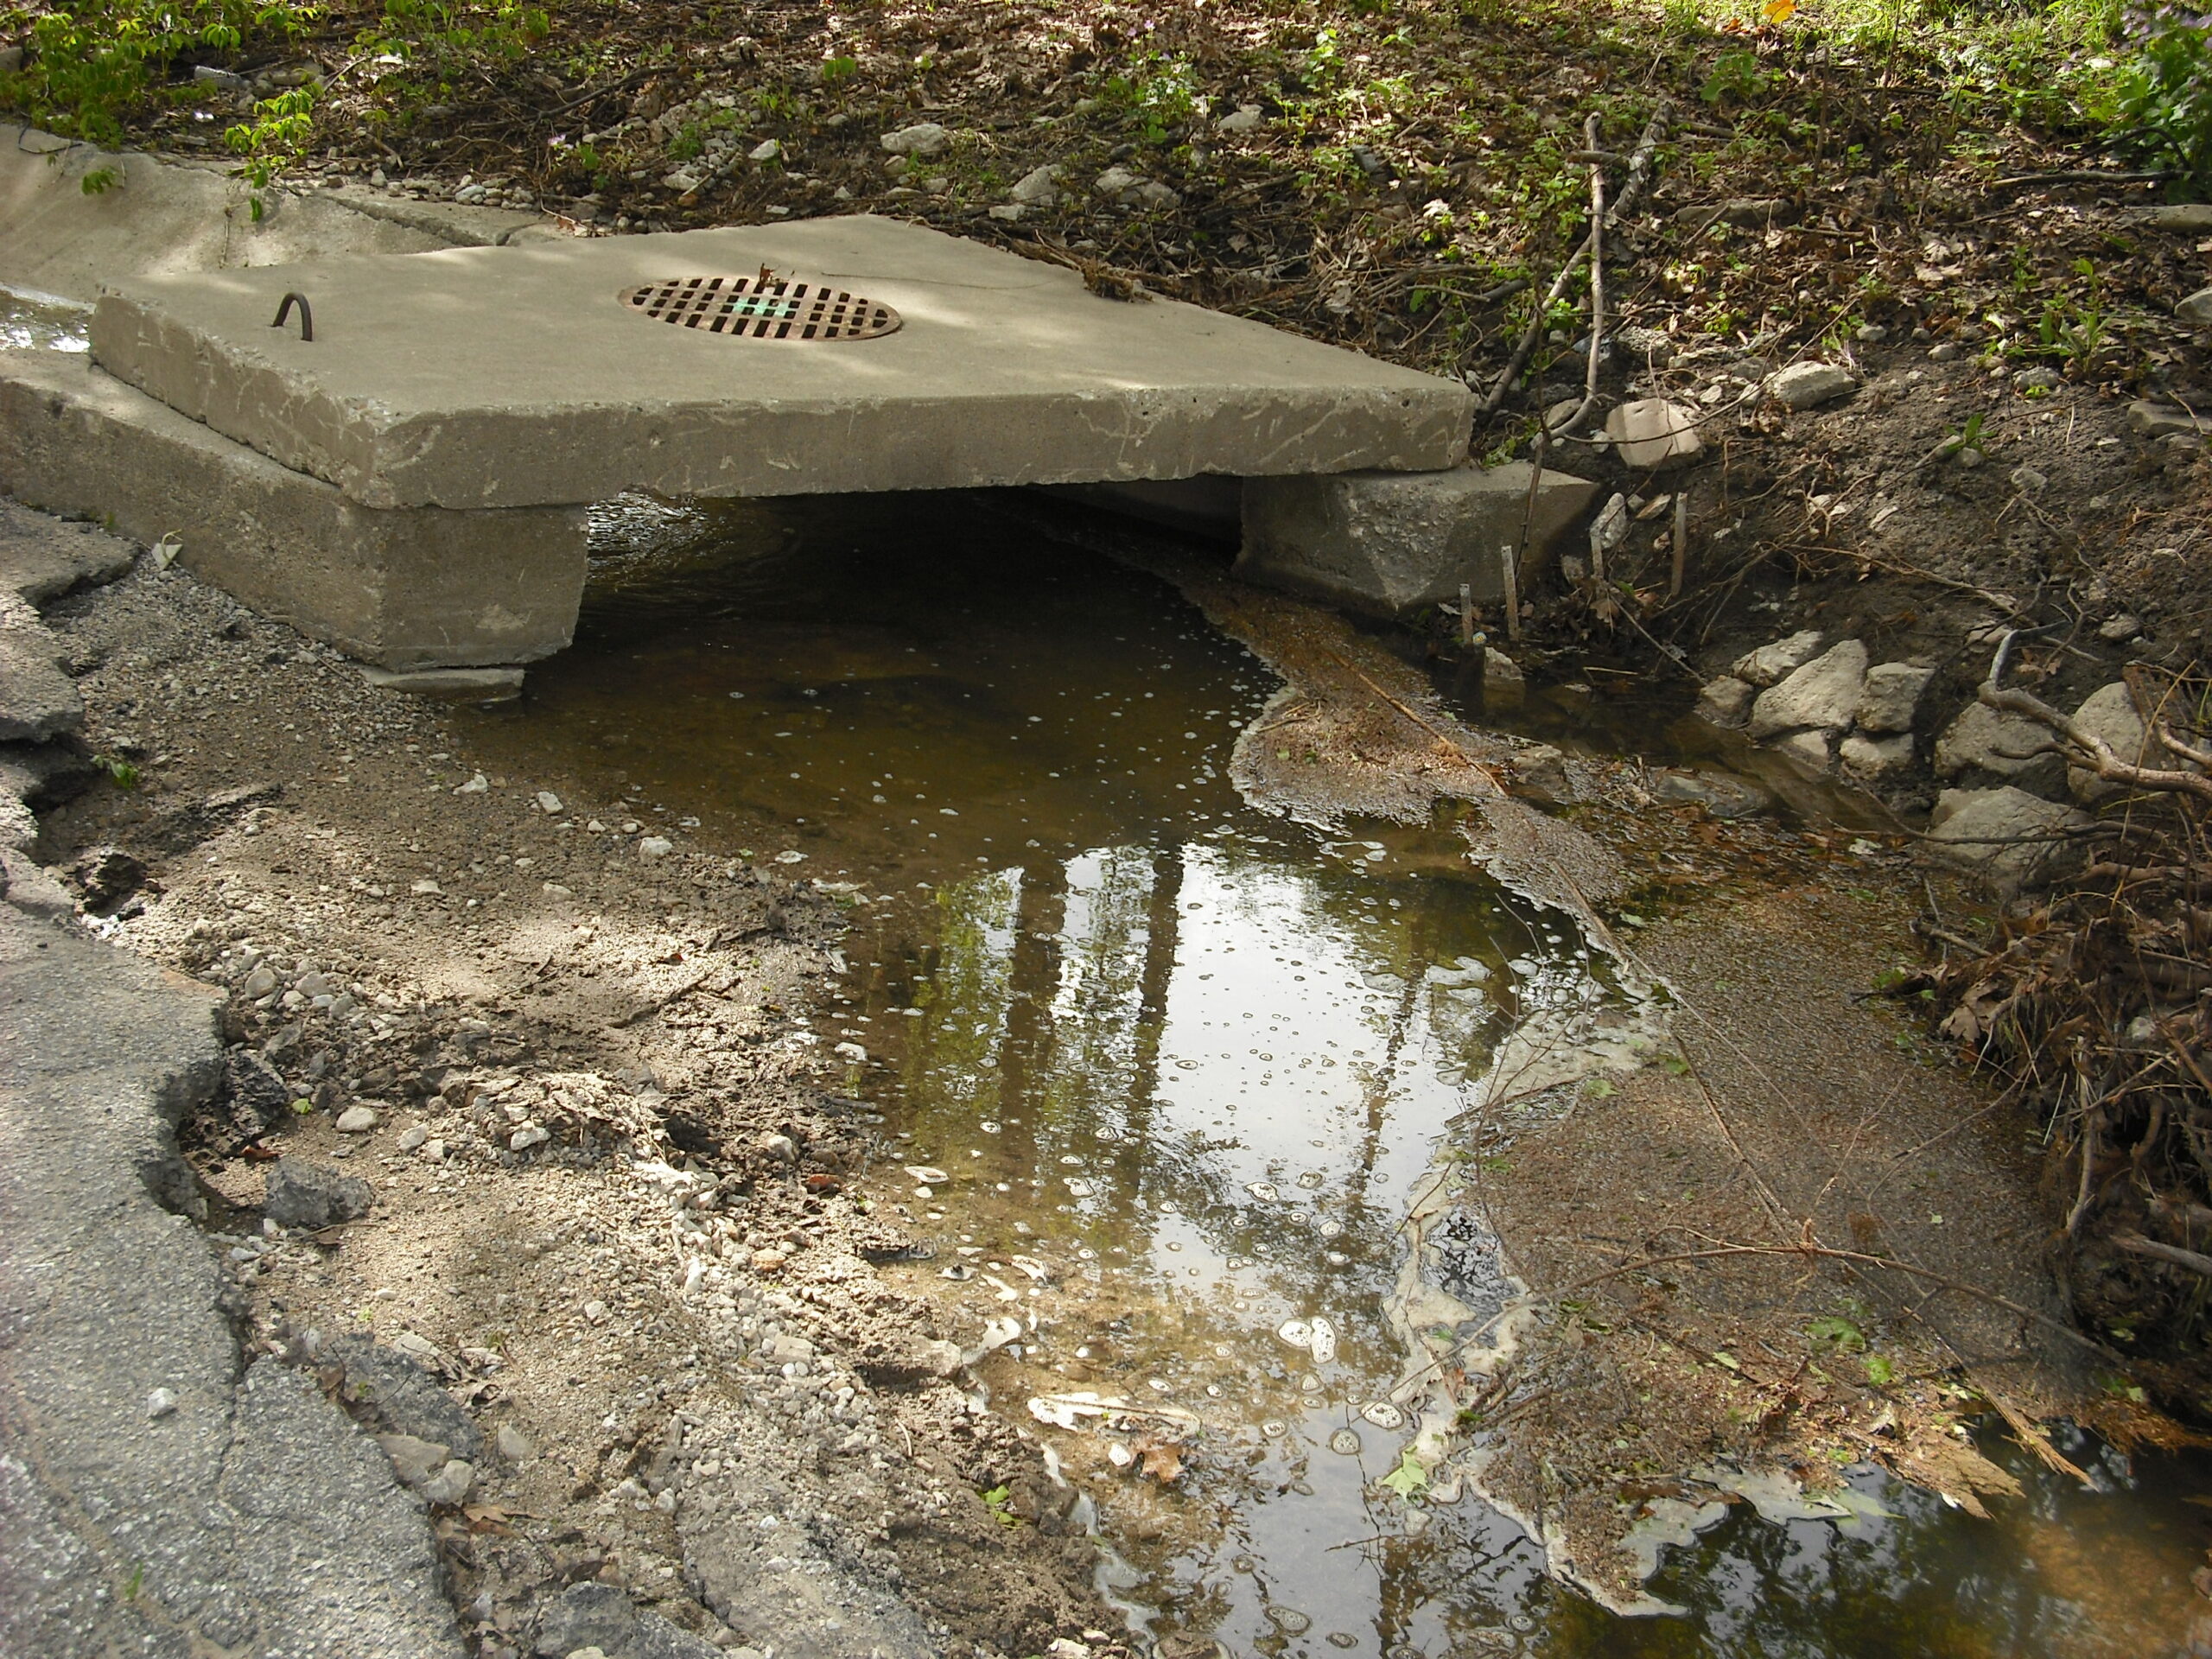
(455, 684)
(1808, 385)
(415, 1461)
(1652, 432)
(258, 983)
(681, 181)
(1875, 760)
(410, 1139)
(594, 1312)
(770, 1261)
(1946, 352)
(769, 150)
(1725, 701)
(1824, 694)
(2039, 378)
(2014, 839)
(450, 1485)
(1652, 346)
(2151, 420)
(2196, 309)
(1115, 182)
(655, 846)
(1038, 187)
(1890, 700)
(1722, 796)
(314, 1196)
(514, 1445)
(530, 1134)
(2109, 712)
(1243, 118)
(2118, 629)
(923, 138)
(160, 1403)
(2029, 479)
(1812, 750)
(357, 1120)
(548, 803)
(1777, 662)
(1152, 194)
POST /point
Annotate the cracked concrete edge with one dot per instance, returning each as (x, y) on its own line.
(167, 214)
(239, 1511)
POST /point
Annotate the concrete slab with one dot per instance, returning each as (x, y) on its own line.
(163, 216)
(514, 376)
(1390, 543)
(406, 589)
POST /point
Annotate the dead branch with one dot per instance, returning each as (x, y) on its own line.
(2086, 749)
(2136, 1244)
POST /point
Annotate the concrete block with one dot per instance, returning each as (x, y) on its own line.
(163, 216)
(1652, 432)
(405, 590)
(1389, 544)
(514, 376)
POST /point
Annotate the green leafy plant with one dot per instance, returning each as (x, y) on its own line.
(99, 180)
(1879, 1371)
(92, 63)
(2164, 105)
(1735, 78)
(119, 771)
(1841, 1334)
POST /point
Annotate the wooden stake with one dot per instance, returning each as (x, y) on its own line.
(1467, 614)
(1507, 562)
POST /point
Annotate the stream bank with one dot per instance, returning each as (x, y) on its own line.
(659, 1043)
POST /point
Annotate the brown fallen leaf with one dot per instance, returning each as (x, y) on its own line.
(1162, 1461)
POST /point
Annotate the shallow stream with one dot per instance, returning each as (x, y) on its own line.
(1163, 1070)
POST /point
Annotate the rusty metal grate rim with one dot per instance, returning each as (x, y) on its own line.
(750, 307)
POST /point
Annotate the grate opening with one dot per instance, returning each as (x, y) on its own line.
(765, 306)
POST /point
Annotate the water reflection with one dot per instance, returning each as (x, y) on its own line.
(1171, 1068)
(42, 323)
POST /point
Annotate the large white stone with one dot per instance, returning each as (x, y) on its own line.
(1875, 760)
(1808, 385)
(1651, 433)
(1725, 701)
(1890, 702)
(1392, 543)
(2109, 712)
(1774, 662)
(2010, 837)
(1984, 744)
(1822, 695)
(515, 376)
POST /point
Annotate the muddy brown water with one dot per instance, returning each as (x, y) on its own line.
(1184, 1062)
(1159, 1071)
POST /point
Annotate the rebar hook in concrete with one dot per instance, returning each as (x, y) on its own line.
(306, 317)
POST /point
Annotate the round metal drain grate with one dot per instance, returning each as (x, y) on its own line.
(767, 306)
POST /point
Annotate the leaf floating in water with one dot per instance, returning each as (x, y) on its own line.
(1325, 1342)
(1311, 1178)
(1344, 1442)
(1163, 1462)
(927, 1174)
(1383, 1415)
(1078, 1188)
(1030, 1265)
(1296, 1332)
(957, 1272)
(1408, 1480)
(1337, 1259)
(1274, 1428)
(1289, 1621)
(1264, 1191)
